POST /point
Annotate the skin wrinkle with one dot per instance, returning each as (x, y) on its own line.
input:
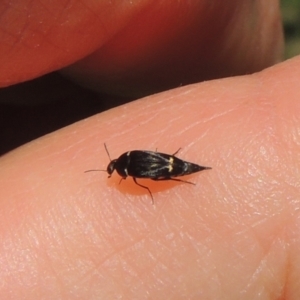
(266, 251)
(108, 272)
(262, 264)
(107, 236)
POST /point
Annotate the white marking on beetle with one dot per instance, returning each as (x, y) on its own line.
(170, 166)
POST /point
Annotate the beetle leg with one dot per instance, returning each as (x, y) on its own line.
(176, 151)
(145, 187)
(174, 179)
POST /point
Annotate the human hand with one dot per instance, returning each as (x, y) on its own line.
(67, 234)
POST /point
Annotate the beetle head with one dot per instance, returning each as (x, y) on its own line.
(111, 167)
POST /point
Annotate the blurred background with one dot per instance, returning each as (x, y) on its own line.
(291, 22)
(66, 102)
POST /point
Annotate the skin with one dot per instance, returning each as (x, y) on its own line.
(67, 234)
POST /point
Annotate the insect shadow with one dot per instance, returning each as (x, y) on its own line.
(152, 165)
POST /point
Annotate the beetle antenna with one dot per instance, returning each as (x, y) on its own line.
(95, 171)
(107, 151)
